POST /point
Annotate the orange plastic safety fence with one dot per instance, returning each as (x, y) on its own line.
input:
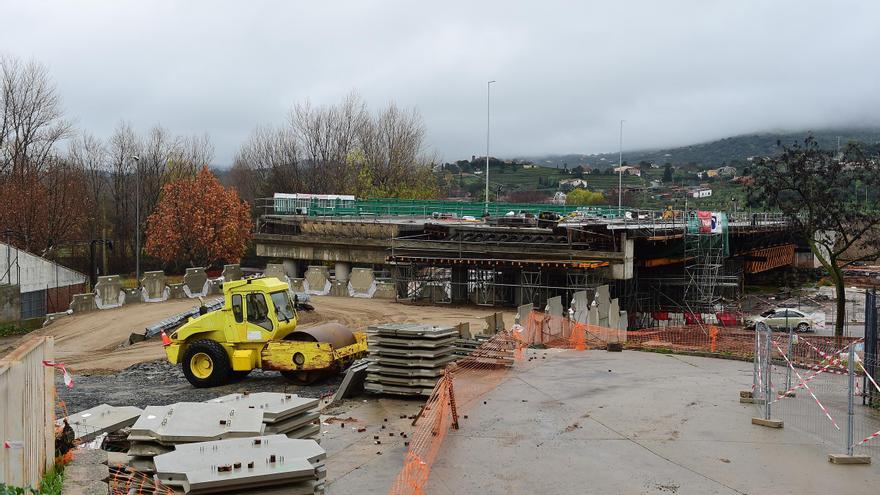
(470, 378)
(125, 480)
(464, 381)
(541, 329)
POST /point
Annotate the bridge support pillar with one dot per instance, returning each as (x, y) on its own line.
(343, 270)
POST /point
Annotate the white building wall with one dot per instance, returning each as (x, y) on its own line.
(36, 273)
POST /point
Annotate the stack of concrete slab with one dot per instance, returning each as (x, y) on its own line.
(242, 464)
(160, 428)
(408, 358)
(482, 350)
(88, 424)
(286, 414)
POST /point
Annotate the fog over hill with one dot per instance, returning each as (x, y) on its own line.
(719, 152)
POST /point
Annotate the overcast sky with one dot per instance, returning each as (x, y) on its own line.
(678, 71)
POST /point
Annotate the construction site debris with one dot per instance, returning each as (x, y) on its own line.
(161, 427)
(100, 419)
(288, 414)
(407, 359)
(233, 465)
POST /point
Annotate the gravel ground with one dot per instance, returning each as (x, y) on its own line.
(157, 383)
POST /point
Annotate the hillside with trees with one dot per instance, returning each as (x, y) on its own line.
(727, 151)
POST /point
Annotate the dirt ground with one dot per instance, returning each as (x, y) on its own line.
(108, 370)
(96, 342)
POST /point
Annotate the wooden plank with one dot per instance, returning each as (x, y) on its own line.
(27, 404)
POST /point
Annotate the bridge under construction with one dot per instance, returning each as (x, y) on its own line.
(656, 263)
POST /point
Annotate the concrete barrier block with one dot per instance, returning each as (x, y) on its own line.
(296, 285)
(108, 292)
(195, 282)
(362, 283)
(232, 272)
(132, 295)
(52, 317)
(385, 290)
(522, 313)
(276, 270)
(215, 286)
(153, 287)
(175, 291)
(554, 306)
(82, 303)
(339, 288)
(317, 280)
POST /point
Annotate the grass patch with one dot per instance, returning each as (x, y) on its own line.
(20, 328)
(49, 485)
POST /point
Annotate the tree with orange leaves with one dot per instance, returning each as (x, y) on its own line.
(198, 222)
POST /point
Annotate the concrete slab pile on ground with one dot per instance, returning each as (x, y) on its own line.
(160, 428)
(236, 465)
(286, 414)
(100, 419)
(408, 358)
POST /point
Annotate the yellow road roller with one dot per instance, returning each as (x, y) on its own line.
(256, 328)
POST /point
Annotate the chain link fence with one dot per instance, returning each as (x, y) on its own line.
(825, 387)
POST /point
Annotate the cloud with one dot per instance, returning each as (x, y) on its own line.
(678, 71)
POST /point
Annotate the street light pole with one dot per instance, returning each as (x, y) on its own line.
(620, 170)
(488, 102)
(137, 220)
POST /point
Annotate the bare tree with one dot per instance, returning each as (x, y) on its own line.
(817, 192)
(338, 149)
(270, 159)
(122, 146)
(31, 118)
(189, 156)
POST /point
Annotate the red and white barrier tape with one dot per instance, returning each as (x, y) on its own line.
(868, 438)
(822, 369)
(807, 387)
(68, 380)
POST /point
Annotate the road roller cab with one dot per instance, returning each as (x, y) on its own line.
(257, 328)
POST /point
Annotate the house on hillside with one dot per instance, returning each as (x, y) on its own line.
(721, 172)
(32, 286)
(700, 192)
(569, 184)
(629, 170)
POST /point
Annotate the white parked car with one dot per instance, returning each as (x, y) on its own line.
(784, 319)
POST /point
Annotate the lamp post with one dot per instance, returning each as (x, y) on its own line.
(488, 101)
(137, 219)
(620, 170)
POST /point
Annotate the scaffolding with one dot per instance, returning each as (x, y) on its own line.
(706, 249)
(487, 285)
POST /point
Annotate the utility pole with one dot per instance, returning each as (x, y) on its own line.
(488, 102)
(620, 170)
(137, 221)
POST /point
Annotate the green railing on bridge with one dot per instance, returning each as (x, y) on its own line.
(426, 208)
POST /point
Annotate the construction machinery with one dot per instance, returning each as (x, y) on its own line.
(256, 328)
